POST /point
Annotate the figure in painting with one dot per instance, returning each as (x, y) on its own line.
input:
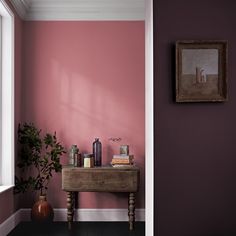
(200, 75)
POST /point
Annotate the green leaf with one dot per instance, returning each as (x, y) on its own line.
(39, 155)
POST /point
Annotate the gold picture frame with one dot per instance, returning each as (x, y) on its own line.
(201, 71)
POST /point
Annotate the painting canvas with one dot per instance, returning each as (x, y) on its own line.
(201, 71)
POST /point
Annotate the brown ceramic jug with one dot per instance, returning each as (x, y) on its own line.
(42, 211)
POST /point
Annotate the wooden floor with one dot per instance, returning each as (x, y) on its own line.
(79, 228)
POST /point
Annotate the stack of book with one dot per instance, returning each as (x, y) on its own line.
(122, 160)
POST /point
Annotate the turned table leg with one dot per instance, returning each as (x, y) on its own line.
(70, 208)
(131, 211)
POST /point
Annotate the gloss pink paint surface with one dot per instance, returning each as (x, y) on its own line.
(86, 80)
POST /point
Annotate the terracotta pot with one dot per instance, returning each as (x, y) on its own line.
(42, 211)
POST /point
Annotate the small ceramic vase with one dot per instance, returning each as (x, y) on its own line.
(42, 211)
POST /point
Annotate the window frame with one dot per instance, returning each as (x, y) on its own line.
(7, 152)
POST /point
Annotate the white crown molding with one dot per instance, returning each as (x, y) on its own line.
(22, 7)
(60, 214)
(83, 10)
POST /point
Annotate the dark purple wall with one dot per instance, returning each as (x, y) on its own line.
(195, 143)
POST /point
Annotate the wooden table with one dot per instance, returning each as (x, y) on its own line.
(100, 179)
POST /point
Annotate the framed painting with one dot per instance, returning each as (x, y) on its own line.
(201, 71)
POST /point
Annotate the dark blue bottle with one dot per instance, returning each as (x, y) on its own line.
(97, 152)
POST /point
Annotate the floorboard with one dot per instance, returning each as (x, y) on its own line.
(79, 228)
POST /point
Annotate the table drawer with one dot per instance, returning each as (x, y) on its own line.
(100, 180)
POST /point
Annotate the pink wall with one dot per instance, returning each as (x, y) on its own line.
(86, 80)
(9, 204)
(6, 205)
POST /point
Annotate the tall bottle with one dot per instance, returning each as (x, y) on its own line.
(73, 154)
(97, 152)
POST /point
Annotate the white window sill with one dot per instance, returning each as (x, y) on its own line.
(4, 188)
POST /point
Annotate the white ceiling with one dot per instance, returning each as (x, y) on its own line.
(80, 9)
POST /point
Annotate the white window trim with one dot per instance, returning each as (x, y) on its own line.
(149, 121)
(7, 92)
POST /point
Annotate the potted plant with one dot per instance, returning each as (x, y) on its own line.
(39, 157)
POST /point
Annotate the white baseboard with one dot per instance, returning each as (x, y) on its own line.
(10, 223)
(99, 215)
(60, 214)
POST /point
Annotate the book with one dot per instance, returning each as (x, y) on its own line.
(121, 165)
(123, 156)
(120, 161)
